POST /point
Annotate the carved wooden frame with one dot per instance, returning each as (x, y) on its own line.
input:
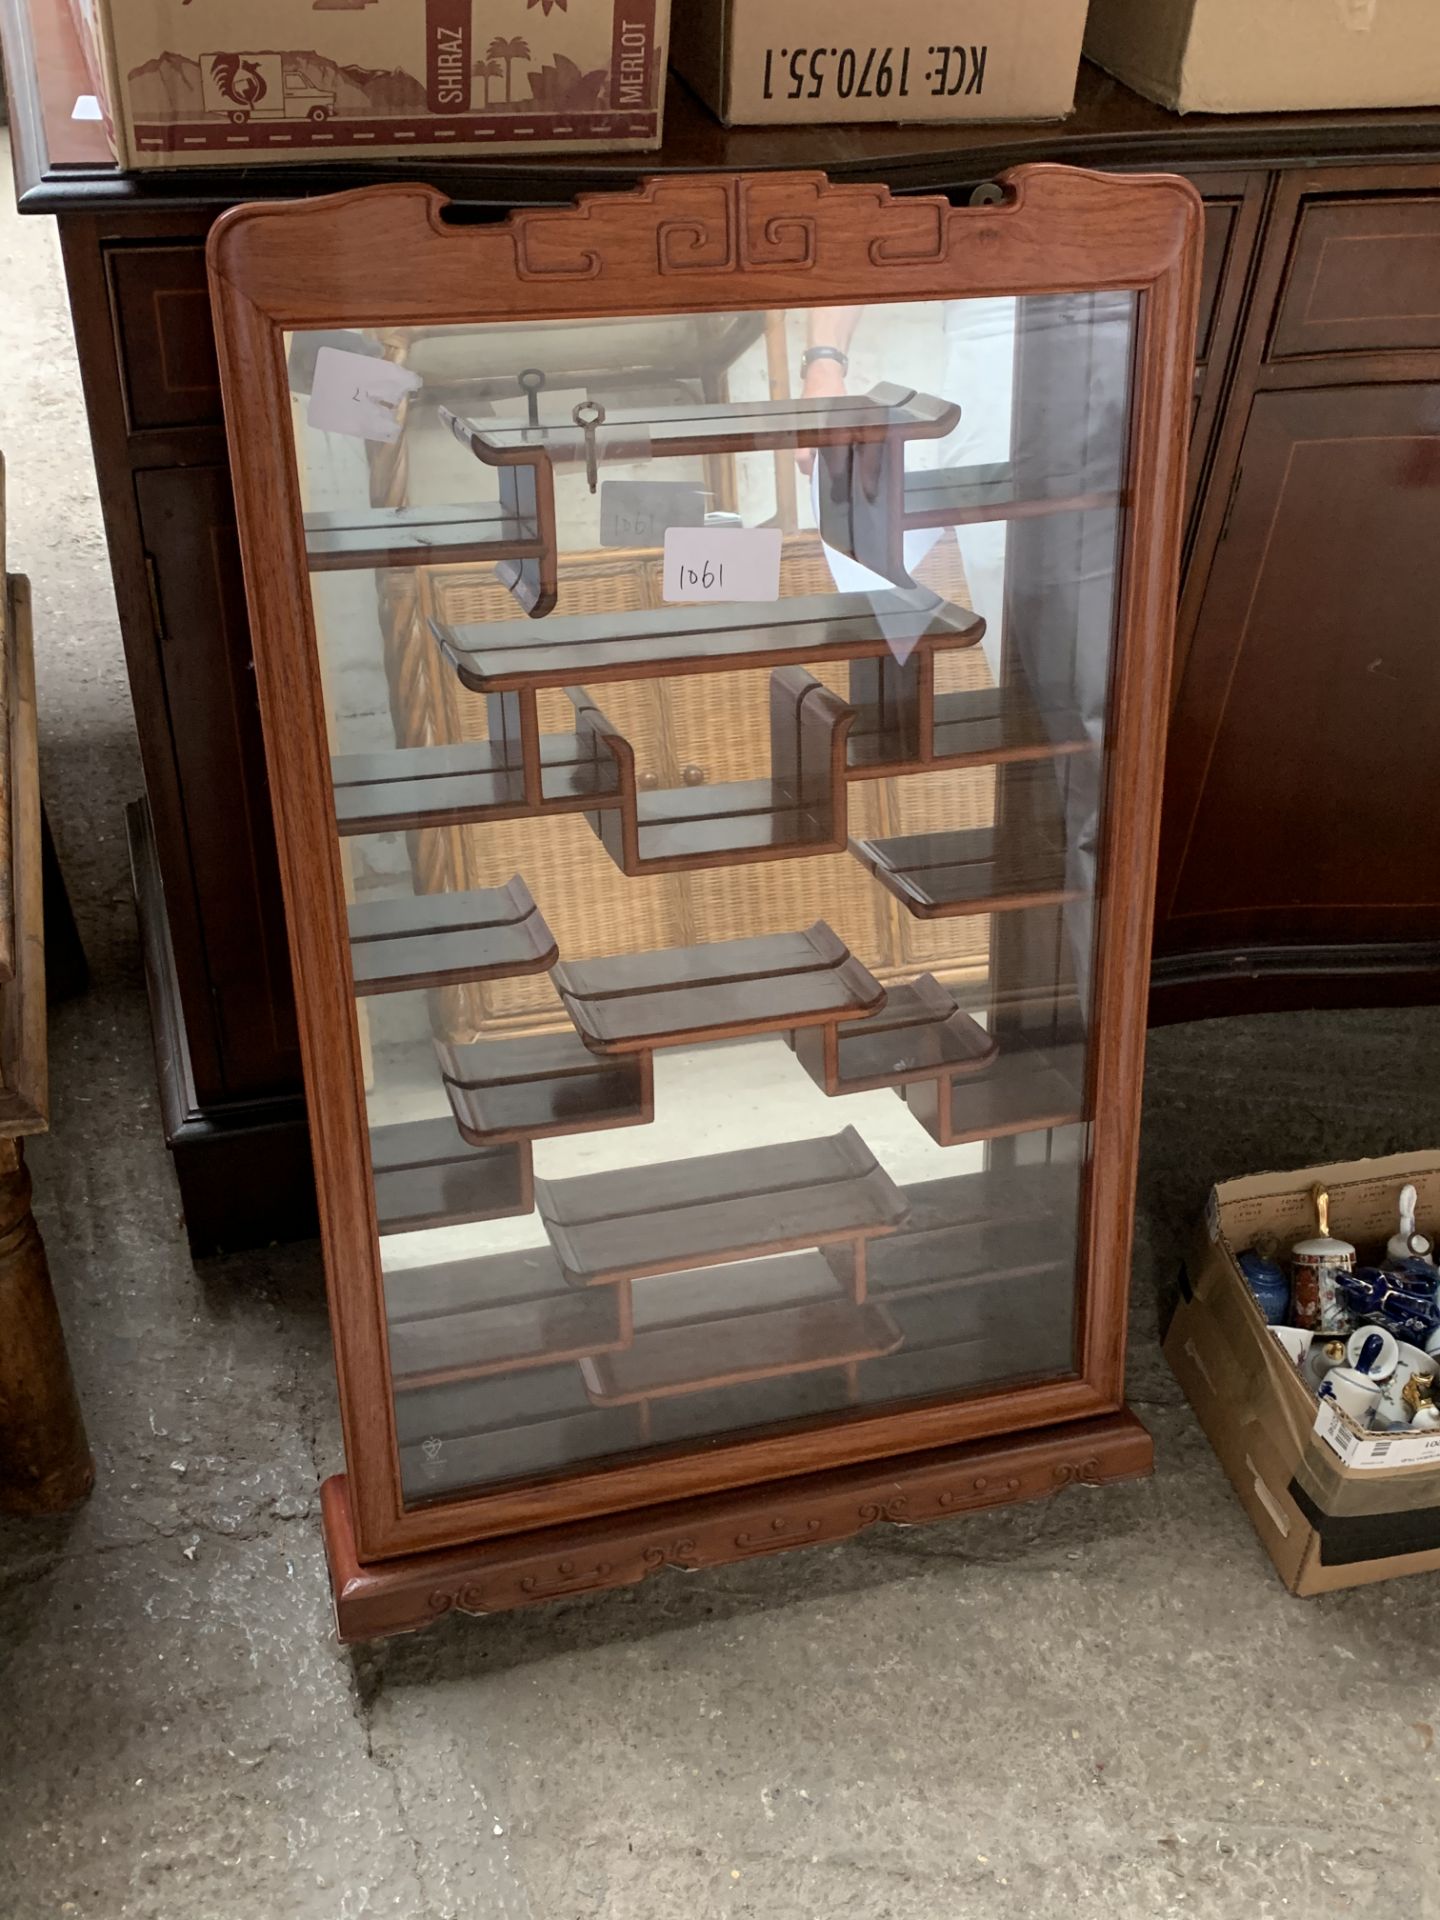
(386, 257)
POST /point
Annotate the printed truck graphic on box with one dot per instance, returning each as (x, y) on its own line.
(259, 86)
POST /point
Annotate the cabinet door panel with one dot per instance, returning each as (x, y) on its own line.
(1363, 276)
(166, 342)
(187, 524)
(1302, 802)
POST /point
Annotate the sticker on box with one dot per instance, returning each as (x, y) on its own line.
(1370, 1451)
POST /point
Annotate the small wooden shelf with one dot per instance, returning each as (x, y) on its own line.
(659, 642)
(431, 939)
(679, 996)
(937, 875)
(718, 1208)
(998, 1225)
(886, 413)
(527, 499)
(1028, 1090)
(917, 1034)
(971, 1336)
(723, 1325)
(356, 537)
(408, 787)
(997, 724)
(477, 1432)
(799, 811)
(470, 1318)
(859, 439)
(965, 496)
(542, 1085)
(426, 1176)
(903, 725)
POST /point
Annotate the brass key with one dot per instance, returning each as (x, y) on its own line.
(588, 416)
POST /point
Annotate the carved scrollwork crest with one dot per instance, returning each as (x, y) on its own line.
(727, 224)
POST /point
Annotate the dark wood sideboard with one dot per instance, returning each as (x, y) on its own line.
(1300, 861)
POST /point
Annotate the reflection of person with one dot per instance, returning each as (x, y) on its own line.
(980, 375)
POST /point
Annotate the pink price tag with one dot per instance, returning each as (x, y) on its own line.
(722, 563)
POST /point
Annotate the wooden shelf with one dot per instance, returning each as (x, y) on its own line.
(355, 537)
(999, 1225)
(432, 939)
(408, 787)
(680, 996)
(918, 1033)
(470, 1318)
(659, 642)
(527, 498)
(478, 1432)
(886, 413)
(723, 1325)
(426, 1176)
(893, 723)
(541, 1086)
(1028, 1090)
(859, 439)
(938, 875)
(903, 725)
(799, 811)
(965, 496)
(997, 724)
(718, 1208)
(974, 1336)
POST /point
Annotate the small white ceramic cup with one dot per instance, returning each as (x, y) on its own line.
(1354, 1393)
(1389, 1351)
(1426, 1420)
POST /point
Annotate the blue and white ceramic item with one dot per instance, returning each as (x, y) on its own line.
(1270, 1284)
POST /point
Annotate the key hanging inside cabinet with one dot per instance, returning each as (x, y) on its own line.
(589, 415)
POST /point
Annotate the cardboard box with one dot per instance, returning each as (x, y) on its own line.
(757, 61)
(193, 83)
(1232, 56)
(1334, 1507)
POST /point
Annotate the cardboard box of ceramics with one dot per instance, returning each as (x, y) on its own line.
(191, 83)
(1333, 1506)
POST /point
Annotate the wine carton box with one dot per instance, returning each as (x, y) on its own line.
(1334, 1506)
(758, 61)
(1232, 56)
(192, 83)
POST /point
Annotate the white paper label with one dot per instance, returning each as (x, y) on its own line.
(355, 394)
(86, 107)
(722, 563)
(1368, 1451)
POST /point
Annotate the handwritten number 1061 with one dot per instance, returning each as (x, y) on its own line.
(709, 576)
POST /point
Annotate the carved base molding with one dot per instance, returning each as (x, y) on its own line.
(398, 1596)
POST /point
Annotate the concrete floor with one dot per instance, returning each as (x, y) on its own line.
(1101, 1706)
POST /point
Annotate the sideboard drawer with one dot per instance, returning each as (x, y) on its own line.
(161, 307)
(1363, 276)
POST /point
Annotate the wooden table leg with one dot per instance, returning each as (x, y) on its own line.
(45, 1463)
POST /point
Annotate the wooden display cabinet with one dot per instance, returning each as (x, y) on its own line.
(722, 1022)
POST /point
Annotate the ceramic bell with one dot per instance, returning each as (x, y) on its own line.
(1316, 1299)
(1405, 1243)
(1354, 1391)
(1373, 1350)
